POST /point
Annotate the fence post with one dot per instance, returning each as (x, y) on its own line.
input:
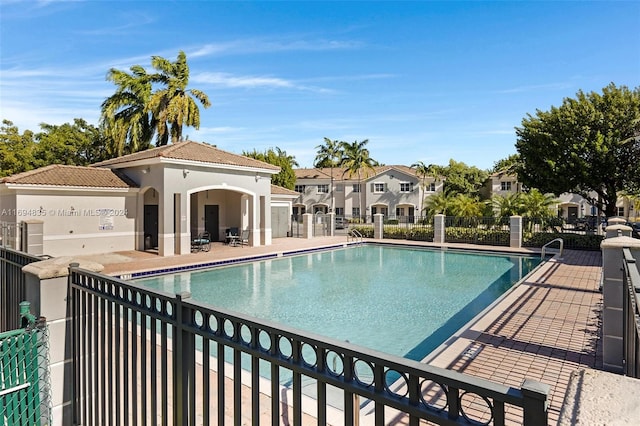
(612, 300)
(378, 226)
(438, 229)
(535, 403)
(183, 365)
(515, 231)
(307, 225)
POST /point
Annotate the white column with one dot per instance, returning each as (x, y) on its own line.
(307, 225)
(515, 234)
(438, 229)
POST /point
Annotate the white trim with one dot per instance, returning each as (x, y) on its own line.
(216, 165)
(75, 236)
(70, 188)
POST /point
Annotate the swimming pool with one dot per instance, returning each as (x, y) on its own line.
(396, 300)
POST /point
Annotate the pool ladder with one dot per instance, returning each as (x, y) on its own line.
(560, 240)
(354, 235)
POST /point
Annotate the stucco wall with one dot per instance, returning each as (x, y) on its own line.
(82, 222)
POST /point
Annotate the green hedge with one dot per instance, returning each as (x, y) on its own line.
(571, 241)
(477, 236)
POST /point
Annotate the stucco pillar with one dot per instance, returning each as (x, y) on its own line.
(378, 226)
(515, 231)
(165, 224)
(183, 233)
(46, 288)
(307, 225)
(33, 236)
(438, 229)
(332, 224)
(612, 297)
(613, 231)
(265, 218)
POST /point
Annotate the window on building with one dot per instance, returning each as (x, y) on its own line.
(431, 187)
(355, 211)
(406, 186)
(339, 187)
(505, 186)
(620, 211)
(339, 211)
(300, 188)
(356, 187)
(399, 211)
(323, 189)
(378, 187)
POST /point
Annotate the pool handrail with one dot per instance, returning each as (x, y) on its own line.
(355, 235)
(560, 240)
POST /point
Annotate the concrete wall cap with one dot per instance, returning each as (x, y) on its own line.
(59, 267)
(617, 242)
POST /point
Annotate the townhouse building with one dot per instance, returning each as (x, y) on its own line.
(394, 191)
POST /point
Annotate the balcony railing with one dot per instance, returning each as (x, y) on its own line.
(141, 355)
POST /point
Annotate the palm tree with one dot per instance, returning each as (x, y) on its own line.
(355, 160)
(466, 206)
(422, 170)
(509, 204)
(440, 203)
(174, 105)
(125, 119)
(537, 204)
(329, 154)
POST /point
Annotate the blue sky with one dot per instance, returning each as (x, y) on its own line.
(422, 81)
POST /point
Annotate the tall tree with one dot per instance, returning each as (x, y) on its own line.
(588, 144)
(16, 150)
(329, 155)
(173, 105)
(286, 178)
(126, 120)
(356, 161)
(76, 144)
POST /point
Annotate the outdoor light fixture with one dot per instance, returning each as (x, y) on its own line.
(185, 172)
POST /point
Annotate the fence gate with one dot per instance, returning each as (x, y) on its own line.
(24, 375)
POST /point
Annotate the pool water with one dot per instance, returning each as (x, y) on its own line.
(396, 300)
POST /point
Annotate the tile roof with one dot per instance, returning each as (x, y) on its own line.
(339, 172)
(63, 175)
(275, 189)
(191, 151)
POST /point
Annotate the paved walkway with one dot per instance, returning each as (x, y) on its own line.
(545, 329)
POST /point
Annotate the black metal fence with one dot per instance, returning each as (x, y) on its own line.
(12, 286)
(477, 230)
(631, 314)
(144, 356)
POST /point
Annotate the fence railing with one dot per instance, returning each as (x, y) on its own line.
(142, 355)
(12, 286)
(631, 314)
(477, 230)
(10, 235)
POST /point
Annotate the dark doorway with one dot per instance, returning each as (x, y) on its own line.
(150, 226)
(572, 214)
(211, 223)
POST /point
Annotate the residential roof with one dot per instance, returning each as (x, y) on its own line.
(339, 172)
(278, 190)
(191, 151)
(63, 175)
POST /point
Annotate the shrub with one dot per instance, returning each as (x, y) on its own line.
(571, 240)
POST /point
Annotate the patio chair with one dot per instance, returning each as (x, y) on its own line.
(231, 235)
(202, 242)
(244, 238)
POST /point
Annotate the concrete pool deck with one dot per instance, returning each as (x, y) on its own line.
(545, 329)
